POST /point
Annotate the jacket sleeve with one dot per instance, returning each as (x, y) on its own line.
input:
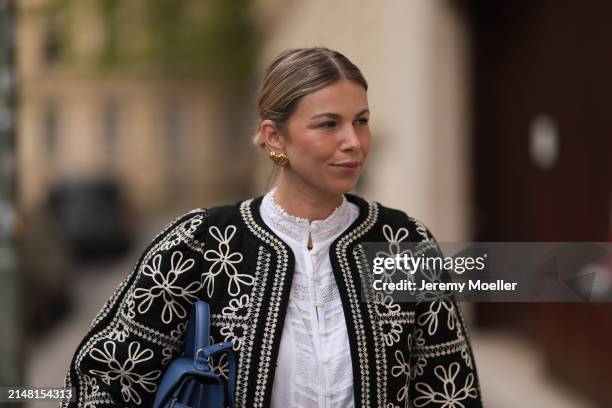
(138, 331)
(442, 367)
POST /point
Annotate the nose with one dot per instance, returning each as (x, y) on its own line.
(350, 139)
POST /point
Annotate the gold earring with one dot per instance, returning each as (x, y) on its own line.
(279, 158)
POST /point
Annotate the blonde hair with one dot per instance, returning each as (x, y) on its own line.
(295, 73)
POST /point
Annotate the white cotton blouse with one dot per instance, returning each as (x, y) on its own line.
(314, 360)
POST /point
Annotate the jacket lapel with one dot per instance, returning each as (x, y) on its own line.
(356, 312)
(274, 275)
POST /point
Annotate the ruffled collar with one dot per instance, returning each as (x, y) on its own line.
(298, 228)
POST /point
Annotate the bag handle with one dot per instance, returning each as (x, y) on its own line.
(198, 328)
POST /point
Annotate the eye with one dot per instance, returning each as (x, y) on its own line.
(328, 125)
(362, 121)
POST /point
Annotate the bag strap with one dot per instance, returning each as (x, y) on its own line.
(198, 328)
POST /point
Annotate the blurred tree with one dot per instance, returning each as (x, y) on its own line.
(191, 38)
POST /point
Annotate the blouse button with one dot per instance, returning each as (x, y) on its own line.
(316, 276)
(328, 393)
(314, 228)
(325, 360)
(322, 332)
(318, 303)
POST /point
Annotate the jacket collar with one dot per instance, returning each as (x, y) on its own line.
(299, 229)
(254, 208)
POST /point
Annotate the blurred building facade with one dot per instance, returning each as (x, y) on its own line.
(149, 133)
(170, 141)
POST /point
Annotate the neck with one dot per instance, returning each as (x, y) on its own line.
(304, 201)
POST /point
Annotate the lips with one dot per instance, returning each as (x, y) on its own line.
(347, 164)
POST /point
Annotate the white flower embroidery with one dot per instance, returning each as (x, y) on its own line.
(166, 289)
(168, 354)
(433, 275)
(437, 300)
(449, 396)
(400, 370)
(236, 313)
(430, 318)
(394, 239)
(124, 372)
(421, 229)
(465, 354)
(223, 261)
(465, 350)
(177, 335)
(191, 225)
(392, 335)
(237, 307)
(400, 235)
(386, 304)
(120, 332)
(91, 388)
(391, 330)
(418, 366)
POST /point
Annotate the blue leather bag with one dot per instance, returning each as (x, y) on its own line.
(189, 381)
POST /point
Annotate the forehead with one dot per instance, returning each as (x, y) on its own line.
(343, 96)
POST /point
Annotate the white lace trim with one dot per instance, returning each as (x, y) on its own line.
(298, 228)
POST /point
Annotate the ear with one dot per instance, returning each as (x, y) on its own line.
(272, 137)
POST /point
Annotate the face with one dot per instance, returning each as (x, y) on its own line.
(327, 138)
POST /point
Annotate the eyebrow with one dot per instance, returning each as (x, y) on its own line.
(337, 116)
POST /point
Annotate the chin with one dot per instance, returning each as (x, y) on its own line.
(335, 185)
(341, 188)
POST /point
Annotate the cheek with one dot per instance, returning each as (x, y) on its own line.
(366, 142)
(316, 149)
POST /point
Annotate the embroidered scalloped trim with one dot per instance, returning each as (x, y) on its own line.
(362, 350)
(379, 342)
(274, 306)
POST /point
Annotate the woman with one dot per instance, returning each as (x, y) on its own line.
(280, 273)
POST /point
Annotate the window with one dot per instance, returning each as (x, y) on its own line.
(51, 44)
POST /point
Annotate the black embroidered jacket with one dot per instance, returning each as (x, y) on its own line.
(403, 354)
